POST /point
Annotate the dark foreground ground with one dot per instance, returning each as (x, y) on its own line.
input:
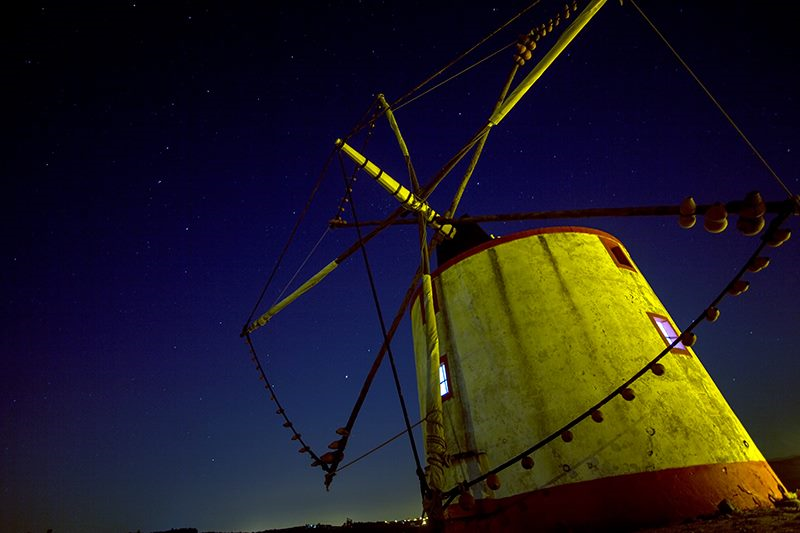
(777, 520)
(767, 521)
(773, 520)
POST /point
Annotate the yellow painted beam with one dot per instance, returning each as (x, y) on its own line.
(406, 198)
(548, 59)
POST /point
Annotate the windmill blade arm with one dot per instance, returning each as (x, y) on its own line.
(302, 289)
(406, 198)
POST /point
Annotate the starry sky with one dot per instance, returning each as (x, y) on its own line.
(155, 158)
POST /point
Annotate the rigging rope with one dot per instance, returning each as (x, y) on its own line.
(379, 356)
(400, 101)
(313, 249)
(386, 341)
(481, 143)
(451, 78)
(744, 137)
(368, 119)
(379, 446)
(281, 411)
(292, 234)
(411, 95)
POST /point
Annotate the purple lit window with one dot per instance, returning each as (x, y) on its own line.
(668, 332)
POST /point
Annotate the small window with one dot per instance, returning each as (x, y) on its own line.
(668, 332)
(444, 378)
(618, 254)
(620, 257)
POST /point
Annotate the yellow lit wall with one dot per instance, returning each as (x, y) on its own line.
(539, 326)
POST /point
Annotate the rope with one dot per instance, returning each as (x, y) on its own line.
(292, 234)
(368, 119)
(454, 76)
(459, 450)
(407, 97)
(400, 101)
(717, 104)
(455, 491)
(281, 411)
(381, 353)
(481, 143)
(379, 446)
(445, 170)
(373, 289)
(313, 249)
(477, 63)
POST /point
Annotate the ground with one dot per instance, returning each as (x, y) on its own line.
(782, 520)
(768, 520)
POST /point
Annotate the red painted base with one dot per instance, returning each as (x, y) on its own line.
(629, 501)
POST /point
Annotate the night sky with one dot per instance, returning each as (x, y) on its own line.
(156, 156)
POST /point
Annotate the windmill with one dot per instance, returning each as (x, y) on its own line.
(638, 432)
